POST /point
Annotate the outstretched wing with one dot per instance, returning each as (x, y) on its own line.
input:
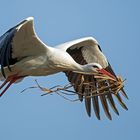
(83, 51)
(19, 42)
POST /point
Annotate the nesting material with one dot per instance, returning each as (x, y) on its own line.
(104, 85)
(108, 84)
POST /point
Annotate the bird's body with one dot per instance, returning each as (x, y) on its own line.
(53, 60)
(39, 59)
(23, 54)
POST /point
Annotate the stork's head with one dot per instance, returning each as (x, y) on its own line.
(97, 68)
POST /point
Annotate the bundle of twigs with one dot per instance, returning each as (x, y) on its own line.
(113, 85)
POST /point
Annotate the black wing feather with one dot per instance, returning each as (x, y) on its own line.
(6, 48)
(83, 90)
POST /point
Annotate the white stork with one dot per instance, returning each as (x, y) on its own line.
(23, 54)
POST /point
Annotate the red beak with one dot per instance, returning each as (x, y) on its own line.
(103, 71)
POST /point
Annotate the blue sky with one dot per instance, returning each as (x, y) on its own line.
(116, 26)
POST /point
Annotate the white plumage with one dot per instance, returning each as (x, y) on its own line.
(23, 54)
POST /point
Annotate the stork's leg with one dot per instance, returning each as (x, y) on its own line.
(10, 80)
(6, 81)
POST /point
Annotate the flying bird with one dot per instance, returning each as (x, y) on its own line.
(23, 54)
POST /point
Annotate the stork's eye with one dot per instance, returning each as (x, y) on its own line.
(94, 66)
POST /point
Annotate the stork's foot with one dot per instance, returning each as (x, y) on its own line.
(9, 81)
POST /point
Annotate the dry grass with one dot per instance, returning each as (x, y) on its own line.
(114, 86)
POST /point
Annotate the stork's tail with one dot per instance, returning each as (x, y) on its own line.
(1, 76)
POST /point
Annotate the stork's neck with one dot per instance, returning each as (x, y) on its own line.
(61, 60)
(84, 69)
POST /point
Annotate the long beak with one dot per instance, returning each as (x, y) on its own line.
(103, 71)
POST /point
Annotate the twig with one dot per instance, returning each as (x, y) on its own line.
(114, 86)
